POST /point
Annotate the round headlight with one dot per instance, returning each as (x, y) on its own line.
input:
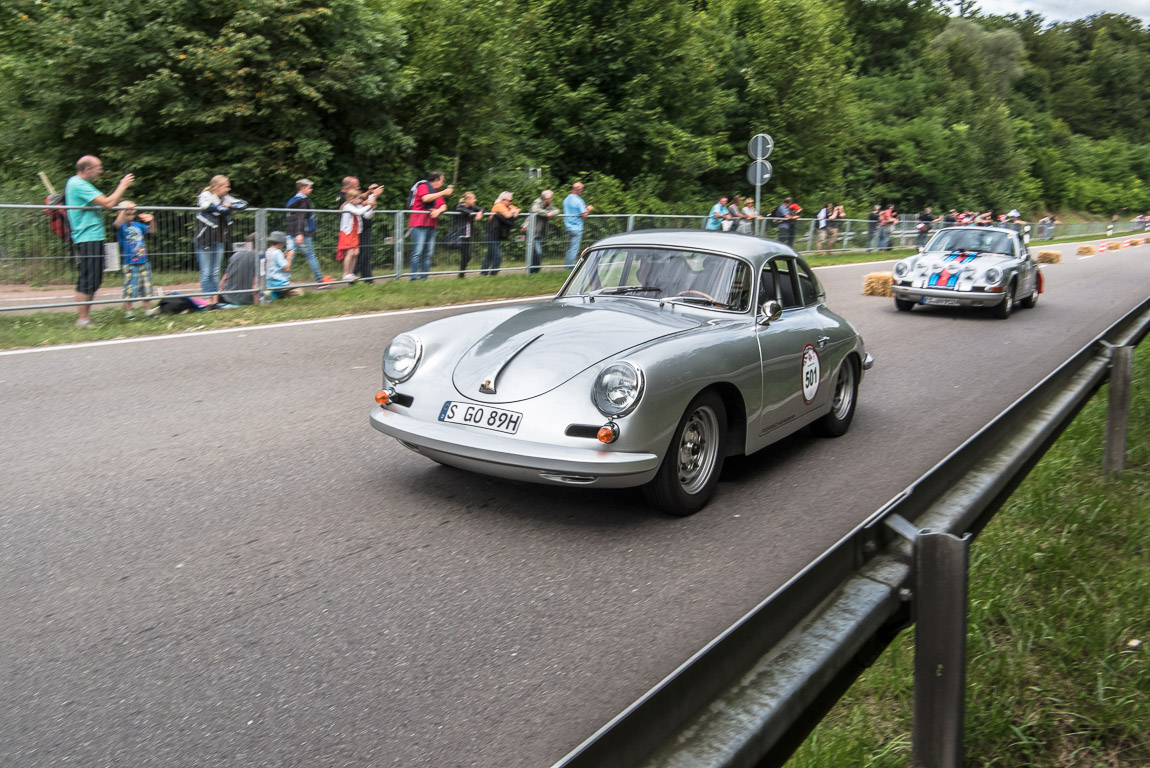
(901, 269)
(618, 389)
(401, 357)
(993, 275)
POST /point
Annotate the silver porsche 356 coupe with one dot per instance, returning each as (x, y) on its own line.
(663, 353)
(969, 267)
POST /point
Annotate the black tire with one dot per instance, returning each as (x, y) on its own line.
(1031, 301)
(903, 305)
(1003, 309)
(690, 469)
(844, 400)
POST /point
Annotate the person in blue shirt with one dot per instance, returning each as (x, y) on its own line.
(279, 267)
(131, 226)
(719, 214)
(88, 229)
(574, 212)
(301, 224)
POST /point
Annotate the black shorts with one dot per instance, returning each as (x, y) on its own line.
(90, 260)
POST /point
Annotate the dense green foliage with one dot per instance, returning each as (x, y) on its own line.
(652, 103)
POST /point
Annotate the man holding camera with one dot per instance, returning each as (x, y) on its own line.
(88, 229)
(426, 203)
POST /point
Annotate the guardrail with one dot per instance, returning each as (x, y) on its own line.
(752, 694)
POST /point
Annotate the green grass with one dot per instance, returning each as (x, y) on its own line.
(1058, 669)
(55, 327)
(48, 328)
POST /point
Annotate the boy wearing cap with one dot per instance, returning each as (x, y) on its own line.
(279, 268)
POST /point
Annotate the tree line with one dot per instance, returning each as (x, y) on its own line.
(650, 102)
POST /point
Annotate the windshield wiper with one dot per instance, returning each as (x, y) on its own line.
(697, 300)
(618, 289)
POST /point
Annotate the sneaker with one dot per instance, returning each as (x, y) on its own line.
(349, 276)
(87, 324)
(129, 316)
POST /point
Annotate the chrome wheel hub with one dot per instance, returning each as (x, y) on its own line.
(698, 450)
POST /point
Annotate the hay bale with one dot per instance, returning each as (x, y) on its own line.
(1086, 250)
(1049, 257)
(878, 284)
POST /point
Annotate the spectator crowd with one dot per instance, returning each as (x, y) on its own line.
(427, 201)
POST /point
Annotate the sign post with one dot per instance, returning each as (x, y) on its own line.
(759, 172)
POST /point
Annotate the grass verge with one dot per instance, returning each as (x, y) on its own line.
(49, 328)
(55, 327)
(1059, 638)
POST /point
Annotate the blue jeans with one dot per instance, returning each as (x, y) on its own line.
(574, 237)
(536, 259)
(210, 259)
(883, 239)
(308, 248)
(494, 258)
(422, 246)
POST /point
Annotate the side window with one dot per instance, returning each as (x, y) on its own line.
(808, 285)
(785, 280)
(767, 290)
(739, 298)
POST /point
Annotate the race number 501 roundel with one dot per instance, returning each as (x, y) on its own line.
(812, 374)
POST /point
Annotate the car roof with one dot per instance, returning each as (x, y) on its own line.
(754, 249)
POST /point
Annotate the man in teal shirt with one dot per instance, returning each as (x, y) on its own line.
(574, 212)
(88, 229)
(719, 214)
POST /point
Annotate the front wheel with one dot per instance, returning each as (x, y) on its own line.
(1002, 311)
(690, 470)
(1030, 301)
(903, 305)
(843, 403)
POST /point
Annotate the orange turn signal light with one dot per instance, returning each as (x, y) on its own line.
(382, 397)
(608, 433)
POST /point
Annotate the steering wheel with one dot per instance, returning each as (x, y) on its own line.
(704, 295)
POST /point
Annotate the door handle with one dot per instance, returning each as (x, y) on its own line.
(823, 341)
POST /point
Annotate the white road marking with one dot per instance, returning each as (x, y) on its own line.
(269, 326)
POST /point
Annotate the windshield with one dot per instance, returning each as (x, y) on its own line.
(664, 274)
(980, 240)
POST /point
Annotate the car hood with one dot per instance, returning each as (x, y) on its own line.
(981, 260)
(538, 349)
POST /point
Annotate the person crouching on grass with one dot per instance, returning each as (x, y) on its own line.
(279, 268)
(131, 226)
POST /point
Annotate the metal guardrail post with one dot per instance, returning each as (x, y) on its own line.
(630, 222)
(397, 243)
(529, 242)
(261, 248)
(941, 565)
(1118, 411)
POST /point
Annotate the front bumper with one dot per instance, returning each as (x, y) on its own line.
(514, 459)
(964, 298)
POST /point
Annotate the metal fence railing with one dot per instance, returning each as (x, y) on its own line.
(32, 254)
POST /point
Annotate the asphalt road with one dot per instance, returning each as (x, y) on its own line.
(207, 556)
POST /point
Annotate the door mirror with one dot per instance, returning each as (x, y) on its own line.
(770, 312)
